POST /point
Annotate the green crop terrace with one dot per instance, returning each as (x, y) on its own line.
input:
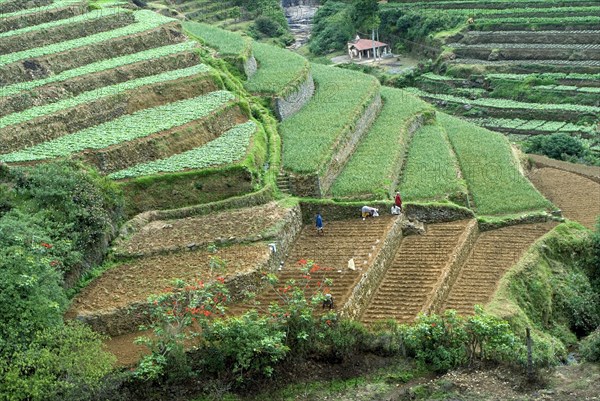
(140, 124)
(228, 148)
(370, 170)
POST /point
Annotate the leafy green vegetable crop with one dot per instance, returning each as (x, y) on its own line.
(141, 124)
(376, 163)
(280, 71)
(431, 171)
(226, 42)
(491, 170)
(145, 20)
(311, 136)
(98, 66)
(73, 20)
(228, 148)
(85, 97)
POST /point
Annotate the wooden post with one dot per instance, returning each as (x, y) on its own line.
(529, 355)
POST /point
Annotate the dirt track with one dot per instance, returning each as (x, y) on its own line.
(493, 254)
(409, 281)
(576, 196)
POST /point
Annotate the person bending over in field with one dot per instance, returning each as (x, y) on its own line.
(368, 211)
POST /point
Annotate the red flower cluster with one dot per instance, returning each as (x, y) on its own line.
(46, 245)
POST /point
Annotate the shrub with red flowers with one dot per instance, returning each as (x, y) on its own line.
(178, 317)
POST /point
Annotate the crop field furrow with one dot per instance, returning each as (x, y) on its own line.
(71, 28)
(58, 10)
(144, 21)
(343, 238)
(578, 197)
(140, 124)
(546, 36)
(574, 65)
(11, 6)
(493, 254)
(408, 282)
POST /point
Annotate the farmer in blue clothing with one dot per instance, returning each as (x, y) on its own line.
(319, 224)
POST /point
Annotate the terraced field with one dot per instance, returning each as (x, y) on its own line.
(578, 197)
(493, 254)
(411, 279)
(343, 240)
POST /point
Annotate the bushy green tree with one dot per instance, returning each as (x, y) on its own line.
(332, 28)
(557, 146)
(364, 15)
(64, 362)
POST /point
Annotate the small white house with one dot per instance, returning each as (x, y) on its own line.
(364, 48)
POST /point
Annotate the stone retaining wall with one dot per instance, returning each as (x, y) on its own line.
(347, 145)
(250, 66)
(452, 269)
(364, 290)
(436, 213)
(290, 104)
(127, 319)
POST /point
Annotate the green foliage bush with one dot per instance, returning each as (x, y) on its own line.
(590, 347)
(332, 28)
(62, 362)
(557, 146)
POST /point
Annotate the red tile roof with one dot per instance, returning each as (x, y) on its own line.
(365, 44)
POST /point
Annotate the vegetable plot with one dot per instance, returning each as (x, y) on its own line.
(141, 124)
(98, 66)
(34, 112)
(431, 171)
(490, 169)
(226, 149)
(145, 20)
(280, 71)
(340, 99)
(226, 42)
(372, 170)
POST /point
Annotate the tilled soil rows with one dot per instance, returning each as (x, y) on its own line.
(493, 254)
(343, 240)
(169, 235)
(134, 281)
(578, 197)
(417, 266)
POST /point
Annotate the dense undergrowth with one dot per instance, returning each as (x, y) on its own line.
(56, 221)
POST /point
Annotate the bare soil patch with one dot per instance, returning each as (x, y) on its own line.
(578, 197)
(170, 235)
(134, 281)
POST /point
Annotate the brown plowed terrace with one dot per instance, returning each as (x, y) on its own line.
(577, 196)
(492, 255)
(343, 240)
(417, 266)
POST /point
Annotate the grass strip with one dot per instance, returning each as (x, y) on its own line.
(226, 149)
(86, 97)
(280, 70)
(506, 103)
(127, 128)
(98, 66)
(431, 172)
(145, 20)
(311, 136)
(226, 42)
(491, 170)
(371, 170)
